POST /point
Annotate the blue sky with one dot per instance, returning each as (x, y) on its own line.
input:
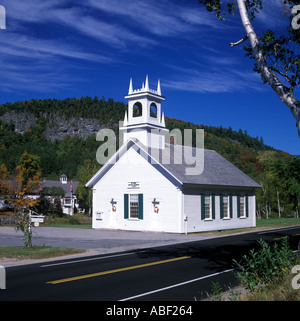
(61, 48)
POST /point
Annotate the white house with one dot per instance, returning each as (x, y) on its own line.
(145, 185)
(69, 201)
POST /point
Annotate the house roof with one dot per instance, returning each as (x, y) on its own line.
(178, 162)
(66, 187)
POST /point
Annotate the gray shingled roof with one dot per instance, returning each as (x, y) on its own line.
(65, 187)
(217, 170)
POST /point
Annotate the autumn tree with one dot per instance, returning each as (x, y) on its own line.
(276, 54)
(21, 187)
(4, 184)
(30, 163)
(17, 191)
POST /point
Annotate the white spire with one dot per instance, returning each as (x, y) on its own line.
(163, 123)
(125, 123)
(158, 88)
(147, 84)
(130, 91)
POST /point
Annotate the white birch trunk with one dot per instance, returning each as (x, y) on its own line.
(278, 203)
(284, 93)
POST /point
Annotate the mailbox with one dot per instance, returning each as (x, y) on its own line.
(37, 219)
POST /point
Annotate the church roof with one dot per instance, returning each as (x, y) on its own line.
(216, 169)
(176, 159)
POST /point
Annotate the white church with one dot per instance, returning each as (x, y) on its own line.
(146, 185)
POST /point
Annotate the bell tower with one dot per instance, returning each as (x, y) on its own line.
(144, 120)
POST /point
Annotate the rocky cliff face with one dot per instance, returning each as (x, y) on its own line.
(22, 121)
(57, 127)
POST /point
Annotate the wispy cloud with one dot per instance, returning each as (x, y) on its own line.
(111, 33)
(214, 81)
(15, 44)
(39, 78)
(163, 18)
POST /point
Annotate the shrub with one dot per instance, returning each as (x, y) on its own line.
(266, 267)
(63, 220)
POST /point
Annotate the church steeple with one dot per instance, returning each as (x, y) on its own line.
(144, 120)
(147, 84)
(130, 91)
(158, 87)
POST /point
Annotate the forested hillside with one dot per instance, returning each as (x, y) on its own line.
(62, 134)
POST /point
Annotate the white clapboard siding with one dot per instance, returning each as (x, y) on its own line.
(152, 184)
(192, 209)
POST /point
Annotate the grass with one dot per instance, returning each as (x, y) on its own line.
(75, 221)
(260, 225)
(83, 226)
(277, 222)
(35, 252)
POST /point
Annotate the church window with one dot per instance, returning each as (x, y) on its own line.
(137, 110)
(153, 110)
(133, 206)
(208, 207)
(242, 206)
(225, 206)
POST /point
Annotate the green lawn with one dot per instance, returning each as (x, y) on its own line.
(36, 252)
(84, 226)
(260, 224)
(275, 222)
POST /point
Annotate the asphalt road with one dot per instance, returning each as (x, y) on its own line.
(180, 272)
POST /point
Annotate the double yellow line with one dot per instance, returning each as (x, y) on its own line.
(86, 276)
(279, 238)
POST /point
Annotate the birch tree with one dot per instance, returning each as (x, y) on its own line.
(276, 56)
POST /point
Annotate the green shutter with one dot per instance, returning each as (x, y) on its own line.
(238, 206)
(247, 210)
(230, 206)
(141, 206)
(221, 207)
(213, 206)
(202, 206)
(125, 206)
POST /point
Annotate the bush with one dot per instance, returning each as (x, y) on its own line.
(63, 220)
(73, 220)
(266, 267)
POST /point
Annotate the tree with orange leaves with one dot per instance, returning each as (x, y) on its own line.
(16, 191)
(23, 203)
